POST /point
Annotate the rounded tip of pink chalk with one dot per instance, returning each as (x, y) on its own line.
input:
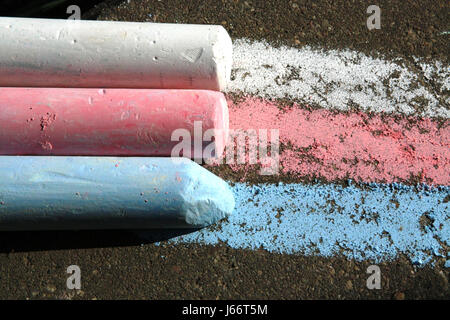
(221, 125)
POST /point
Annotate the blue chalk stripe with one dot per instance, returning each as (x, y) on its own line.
(43, 193)
(376, 222)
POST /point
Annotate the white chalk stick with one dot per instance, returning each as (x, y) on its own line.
(82, 53)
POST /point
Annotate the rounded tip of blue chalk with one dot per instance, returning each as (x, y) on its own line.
(208, 198)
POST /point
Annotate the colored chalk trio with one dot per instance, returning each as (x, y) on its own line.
(88, 112)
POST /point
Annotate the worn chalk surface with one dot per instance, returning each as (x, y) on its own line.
(323, 144)
(85, 121)
(82, 53)
(377, 222)
(43, 193)
(342, 80)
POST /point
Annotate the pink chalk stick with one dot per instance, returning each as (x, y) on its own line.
(355, 145)
(139, 122)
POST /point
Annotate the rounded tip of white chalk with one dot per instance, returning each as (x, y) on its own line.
(223, 56)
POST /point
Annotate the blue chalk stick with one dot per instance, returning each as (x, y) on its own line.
(61, 193)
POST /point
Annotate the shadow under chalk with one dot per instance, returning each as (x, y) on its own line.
(23, 241)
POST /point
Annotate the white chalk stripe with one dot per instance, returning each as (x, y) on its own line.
(340, 80)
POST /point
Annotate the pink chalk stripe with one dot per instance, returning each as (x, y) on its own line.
(356, 146)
